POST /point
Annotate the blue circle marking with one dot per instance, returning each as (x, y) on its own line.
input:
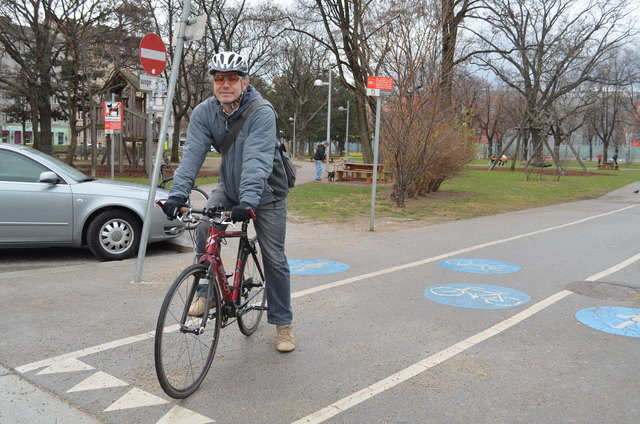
(480, 266)
(315, 266)
(612, 320)
(478, 296)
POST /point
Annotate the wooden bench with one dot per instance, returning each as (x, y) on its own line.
(609, 166)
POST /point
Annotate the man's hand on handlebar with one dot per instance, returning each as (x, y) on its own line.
(172, 206)
(241, 212)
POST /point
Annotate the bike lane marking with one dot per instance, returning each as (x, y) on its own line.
(612, 319)
(479, 266)
(425, 364)
(477, 296)
(145, 336)
(316, 266)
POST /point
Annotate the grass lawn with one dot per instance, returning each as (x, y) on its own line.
(474, 192)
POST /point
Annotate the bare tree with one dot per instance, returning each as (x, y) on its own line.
(82, 40)
(354, 33)
(423, 142)
(298, 64)
(29, 36)
(545, 49)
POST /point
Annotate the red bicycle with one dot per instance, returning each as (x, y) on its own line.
(185, 345)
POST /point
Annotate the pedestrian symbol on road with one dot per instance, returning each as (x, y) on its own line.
(315, 266)
(479, 266)
(478, 296)
(612, 319)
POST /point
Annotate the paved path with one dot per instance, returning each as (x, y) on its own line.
(479, 320)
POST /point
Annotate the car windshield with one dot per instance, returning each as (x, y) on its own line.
(70, 171)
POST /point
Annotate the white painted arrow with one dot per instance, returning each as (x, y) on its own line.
(135, 398)
(99, 380)
(66, 365)
(180, 415)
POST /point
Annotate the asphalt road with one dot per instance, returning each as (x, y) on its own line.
(491, 320)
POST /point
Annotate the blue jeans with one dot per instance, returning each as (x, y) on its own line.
(271, 227)
(318, 169)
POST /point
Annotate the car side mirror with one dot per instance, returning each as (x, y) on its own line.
(49, 177)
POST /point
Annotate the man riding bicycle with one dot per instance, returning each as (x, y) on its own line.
(251, 177)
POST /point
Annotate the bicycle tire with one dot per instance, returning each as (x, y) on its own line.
(252, 290)
(197, 199)
(183, 358)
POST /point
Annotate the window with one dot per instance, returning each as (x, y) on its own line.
(17, 168)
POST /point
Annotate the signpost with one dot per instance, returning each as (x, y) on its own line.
(112, 118)
(377, 87)
(153, 58)
(175, 66)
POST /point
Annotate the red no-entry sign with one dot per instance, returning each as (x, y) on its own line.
(153, 54)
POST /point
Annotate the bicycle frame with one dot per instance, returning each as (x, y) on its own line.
(212, 256)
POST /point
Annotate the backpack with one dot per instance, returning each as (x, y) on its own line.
(319, 152)
(289, 168)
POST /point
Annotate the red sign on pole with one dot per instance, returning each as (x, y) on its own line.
(153, 54)
(380, 83)
(112, 115)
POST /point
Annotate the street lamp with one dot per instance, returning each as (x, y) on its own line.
(294, 147)
(346, 136)
(319, 83)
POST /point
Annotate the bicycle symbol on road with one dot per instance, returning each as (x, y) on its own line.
(612, 320)
(480, 296)
(315, 266)
(480, 266)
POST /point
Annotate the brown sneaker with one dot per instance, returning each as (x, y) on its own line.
(197, 307)
(285, 341)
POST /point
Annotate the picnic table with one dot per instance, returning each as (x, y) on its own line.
(350, 171)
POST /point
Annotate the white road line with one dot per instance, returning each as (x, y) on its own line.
(438, 358)
(133, 339)
(446, 255)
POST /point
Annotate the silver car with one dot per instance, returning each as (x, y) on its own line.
(45, 202)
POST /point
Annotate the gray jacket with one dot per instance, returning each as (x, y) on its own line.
(252, 171)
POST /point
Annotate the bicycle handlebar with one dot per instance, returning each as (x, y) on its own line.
(216, 212)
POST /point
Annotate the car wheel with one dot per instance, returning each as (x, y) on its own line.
(114, 235)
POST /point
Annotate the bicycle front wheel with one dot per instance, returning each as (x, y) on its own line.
(184, 344)
(197, 199)
(252, 291)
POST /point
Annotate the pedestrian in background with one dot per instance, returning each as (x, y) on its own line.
(319, 156)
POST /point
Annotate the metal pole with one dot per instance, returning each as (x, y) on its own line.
(295, 146)
(375, 163)
(175, 69)
(329, 125)
(150, 134)
(112, 154)
(346, 136)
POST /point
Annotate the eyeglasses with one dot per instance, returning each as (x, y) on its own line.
(221, 79)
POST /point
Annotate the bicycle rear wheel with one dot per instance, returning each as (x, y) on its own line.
(197, 199)
(252, 293)
(183, 349)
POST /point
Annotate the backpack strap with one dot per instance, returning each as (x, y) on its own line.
(235, 129)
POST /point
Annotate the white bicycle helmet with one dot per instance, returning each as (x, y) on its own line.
(228, 62)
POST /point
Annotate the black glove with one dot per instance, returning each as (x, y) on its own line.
(241, 212)
(172, 206)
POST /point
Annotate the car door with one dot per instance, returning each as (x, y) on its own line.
(32, 212)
